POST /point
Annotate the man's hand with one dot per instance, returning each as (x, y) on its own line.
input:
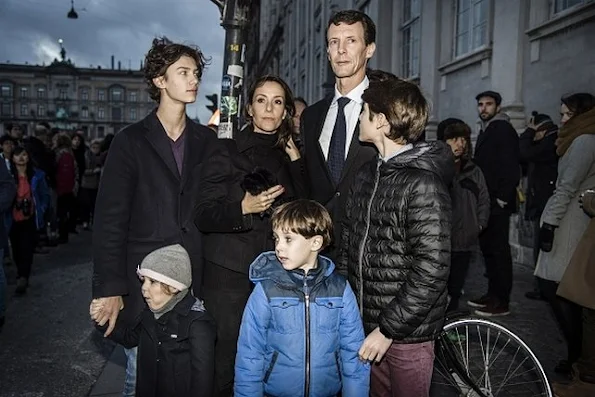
(109, 309)
(375, 346)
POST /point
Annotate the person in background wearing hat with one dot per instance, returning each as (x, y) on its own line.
(540, 162)
(497, 155)
(175, 336)
(470, 205)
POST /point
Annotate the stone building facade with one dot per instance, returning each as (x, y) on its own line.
(96, 100)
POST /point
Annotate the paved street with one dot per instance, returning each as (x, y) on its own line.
(49, 348)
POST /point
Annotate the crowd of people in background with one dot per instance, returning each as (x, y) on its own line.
(56, 173)
(350, 177)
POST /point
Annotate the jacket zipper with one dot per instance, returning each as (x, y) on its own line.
(365, 237)
(307, 300)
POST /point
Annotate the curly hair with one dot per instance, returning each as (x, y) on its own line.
(162, 55)
(285, 130)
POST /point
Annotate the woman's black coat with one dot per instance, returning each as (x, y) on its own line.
(232, 240)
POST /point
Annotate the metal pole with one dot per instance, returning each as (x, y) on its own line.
(235, 14)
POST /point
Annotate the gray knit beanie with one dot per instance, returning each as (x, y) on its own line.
(169, 265)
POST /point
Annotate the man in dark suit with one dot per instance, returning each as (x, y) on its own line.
(497, 155)
(149, 188)
(330, 128)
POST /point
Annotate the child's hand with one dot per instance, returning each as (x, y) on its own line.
(375, 346)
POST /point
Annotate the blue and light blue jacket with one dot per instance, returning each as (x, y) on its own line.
(41, 197)
(300, 334)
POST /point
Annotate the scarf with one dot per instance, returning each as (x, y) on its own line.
(575, 127)
(170, 305)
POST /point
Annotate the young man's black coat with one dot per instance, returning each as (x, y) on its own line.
(143, 204)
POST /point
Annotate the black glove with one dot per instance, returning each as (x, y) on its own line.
(546, 237)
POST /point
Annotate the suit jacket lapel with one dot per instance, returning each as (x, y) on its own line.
(158, 138)
(354, 148)
(319, 126)
(192, 153)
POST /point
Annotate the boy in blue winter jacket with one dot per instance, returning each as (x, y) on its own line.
(301, 329)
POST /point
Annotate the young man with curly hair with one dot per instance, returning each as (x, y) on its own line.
(149, 188)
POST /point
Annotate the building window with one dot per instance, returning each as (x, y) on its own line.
(85, 113)
(471, 25)
(24, 109)
(101, 113)
(132, 114)
(101, 95)
(84, 94)
(5, 91)
(6, 109)
(116, 114)
(40, 110)
(40, 92)
(24, 92)
(63, 94)
(365, 8)
(563, 5)
(132, 97)
(411, 31)
(116, 95)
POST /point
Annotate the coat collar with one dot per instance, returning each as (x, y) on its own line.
(161, 143)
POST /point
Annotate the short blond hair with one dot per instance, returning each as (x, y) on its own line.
(306, 218)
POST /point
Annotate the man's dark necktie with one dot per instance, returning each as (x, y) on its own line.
(336, 152)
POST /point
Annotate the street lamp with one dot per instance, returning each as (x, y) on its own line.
(72, 13)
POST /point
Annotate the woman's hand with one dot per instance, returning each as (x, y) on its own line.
(262, 202)
(292, 150)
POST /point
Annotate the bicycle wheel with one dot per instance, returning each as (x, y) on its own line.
(479, 358)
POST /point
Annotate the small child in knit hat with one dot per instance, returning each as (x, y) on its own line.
(175, 335)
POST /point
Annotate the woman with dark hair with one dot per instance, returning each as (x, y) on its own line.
(261, 169)
(32, 200)
(563, 222)
(66, 186)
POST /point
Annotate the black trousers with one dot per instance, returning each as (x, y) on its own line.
(226, 293)
(459, 266)
(23, 237)
(66, 209)
(498, 259)
(569, 316)
(87, 198)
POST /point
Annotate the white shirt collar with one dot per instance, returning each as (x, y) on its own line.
(355, 94)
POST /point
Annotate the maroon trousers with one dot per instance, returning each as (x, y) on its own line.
(405, 371)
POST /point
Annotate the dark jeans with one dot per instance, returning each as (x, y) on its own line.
(498, 259)
(87, 198)
(66, 215)
(23, 237)
(459, 265)
(586, 363)
(568, 315)
(226, 293)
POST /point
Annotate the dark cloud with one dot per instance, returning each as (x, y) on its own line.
(30, 30)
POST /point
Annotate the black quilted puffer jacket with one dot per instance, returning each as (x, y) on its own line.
(397, 242)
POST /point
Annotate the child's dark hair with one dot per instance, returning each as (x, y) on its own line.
(163, 54)
(402, 103)
(306, 218)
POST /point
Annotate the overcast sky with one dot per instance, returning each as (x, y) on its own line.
(30, 29)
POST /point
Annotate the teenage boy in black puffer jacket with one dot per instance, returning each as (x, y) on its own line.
(396, 239)
(470, 205)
